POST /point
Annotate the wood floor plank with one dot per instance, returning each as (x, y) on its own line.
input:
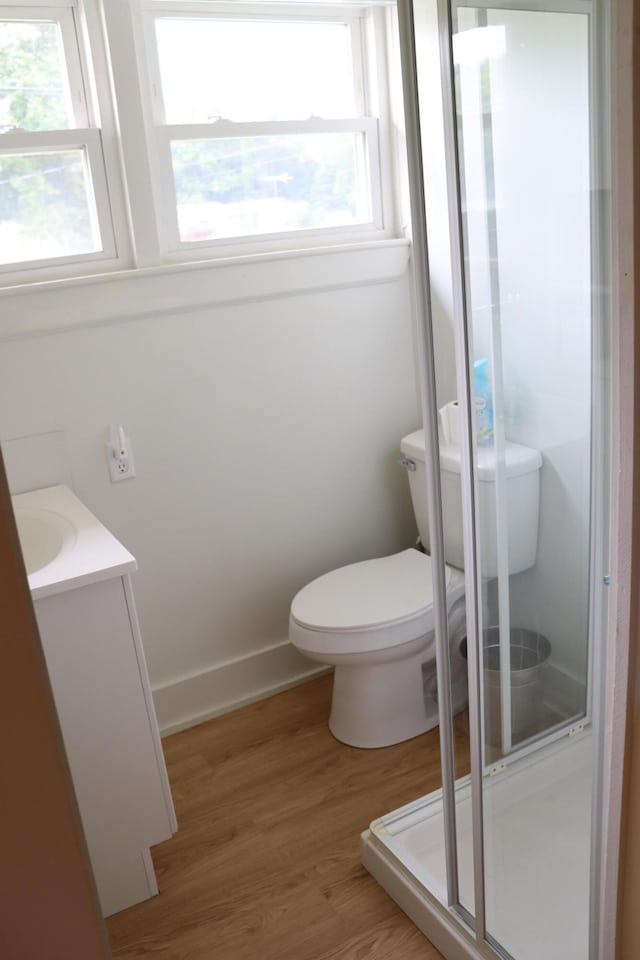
(266, 863)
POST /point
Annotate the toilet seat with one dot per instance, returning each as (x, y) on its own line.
(367, 606)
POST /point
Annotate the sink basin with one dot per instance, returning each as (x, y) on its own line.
(44, 536)
(64, 545)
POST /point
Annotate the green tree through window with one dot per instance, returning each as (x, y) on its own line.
(43, 195)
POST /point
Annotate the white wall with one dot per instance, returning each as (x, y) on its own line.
(265, 435)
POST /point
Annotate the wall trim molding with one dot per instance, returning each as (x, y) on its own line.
(147, 293)
(190, 700)
(194, 698)
(563, 692)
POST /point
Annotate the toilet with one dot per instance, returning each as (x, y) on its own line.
(373, 621)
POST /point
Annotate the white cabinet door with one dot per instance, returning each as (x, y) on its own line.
(109, 734)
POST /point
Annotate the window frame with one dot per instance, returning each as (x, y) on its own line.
(121, 139)
(370, 176)
(60, 11)
(89, 142)
(85, 136)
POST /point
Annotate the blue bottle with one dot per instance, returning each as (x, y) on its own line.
(483, 402)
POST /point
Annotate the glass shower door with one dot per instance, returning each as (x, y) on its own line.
(506, 159)
(523, 98)
(524, 131)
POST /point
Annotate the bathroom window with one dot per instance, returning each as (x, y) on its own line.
(139, 133)
(262, 124)
(54, 206)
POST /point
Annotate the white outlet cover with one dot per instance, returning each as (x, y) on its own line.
(120, 467)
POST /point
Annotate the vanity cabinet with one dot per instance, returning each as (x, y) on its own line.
(102, 694)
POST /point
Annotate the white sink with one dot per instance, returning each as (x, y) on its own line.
(44, 536)
(63, 544)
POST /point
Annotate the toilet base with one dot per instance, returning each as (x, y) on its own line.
(380, 704)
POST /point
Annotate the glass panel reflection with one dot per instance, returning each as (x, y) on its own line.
(245, 70)
(522, 90)
(34, 94)
(47, 207)
(523, 104)
(245, 186)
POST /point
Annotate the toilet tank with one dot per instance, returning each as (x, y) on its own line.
(522, 480)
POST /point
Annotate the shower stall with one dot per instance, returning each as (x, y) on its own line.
(506, 111)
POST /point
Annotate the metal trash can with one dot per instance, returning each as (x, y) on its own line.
(457, 620)
(530, 651)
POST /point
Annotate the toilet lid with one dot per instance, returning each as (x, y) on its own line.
(367, 595)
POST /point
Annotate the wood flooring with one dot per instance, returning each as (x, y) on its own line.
(265, 864)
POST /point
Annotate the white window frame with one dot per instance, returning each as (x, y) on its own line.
(162, 134)
(110, 68)
(85, 136)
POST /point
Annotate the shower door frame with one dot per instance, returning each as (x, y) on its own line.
(451, 928)
(464, 350)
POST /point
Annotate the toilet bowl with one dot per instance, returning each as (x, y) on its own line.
(373, 621)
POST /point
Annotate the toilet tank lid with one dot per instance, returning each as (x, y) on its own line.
(519, 459)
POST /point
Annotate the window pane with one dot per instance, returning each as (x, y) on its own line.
(245, 186)
(46, 208)
(34, 92)
(254, 70)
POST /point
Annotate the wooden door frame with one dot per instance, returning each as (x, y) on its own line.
(622, 727)
(48, 903)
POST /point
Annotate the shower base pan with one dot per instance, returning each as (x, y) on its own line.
(537, 824)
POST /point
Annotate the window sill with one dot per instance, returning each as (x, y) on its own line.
(56, 305)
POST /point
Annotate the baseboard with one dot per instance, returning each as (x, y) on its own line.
(563, 692)
(236, 683)
(226, 686)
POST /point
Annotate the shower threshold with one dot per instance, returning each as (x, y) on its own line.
(537, 823)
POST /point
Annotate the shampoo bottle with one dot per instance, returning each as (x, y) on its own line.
(483, 402)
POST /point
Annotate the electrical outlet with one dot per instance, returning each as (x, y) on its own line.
(120, 456)
(121, 468)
